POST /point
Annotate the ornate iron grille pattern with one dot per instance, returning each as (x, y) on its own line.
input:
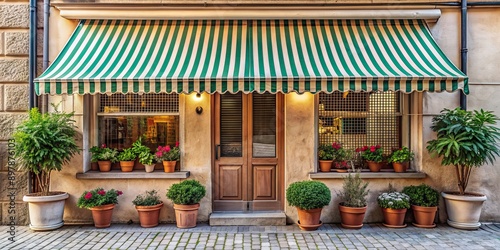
(135, 103)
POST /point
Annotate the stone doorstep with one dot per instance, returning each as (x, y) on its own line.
(247, 219)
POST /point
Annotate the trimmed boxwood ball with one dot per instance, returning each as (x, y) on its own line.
(188, 192)
(308, 195)
(422, 195)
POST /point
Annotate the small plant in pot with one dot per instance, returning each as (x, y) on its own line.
(424, 201)
(325, 156)
(465, 140)
(148, 206)
(44, 143)
(374, 157)
(168, 156)
(104, 157)
(394, 206)
(309, 197)
(400, 159)
(101, 203)
(186, 197)
(144, 154)
(352, 204)
(127, 160)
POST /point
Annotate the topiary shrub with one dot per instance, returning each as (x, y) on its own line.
(308, 195)
(187, 192)
(422, 195)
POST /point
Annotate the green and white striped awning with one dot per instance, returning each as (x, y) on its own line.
(110, 56)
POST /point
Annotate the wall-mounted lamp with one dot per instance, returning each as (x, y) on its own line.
(198, 95)
(199, 110)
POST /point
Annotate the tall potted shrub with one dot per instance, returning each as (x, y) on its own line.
(424, 201)
(465, 140)
(352, 204)
(309, 197)
(186, 197)
(44, 143)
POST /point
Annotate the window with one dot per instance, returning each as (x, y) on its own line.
(359, 119)
(122, 119)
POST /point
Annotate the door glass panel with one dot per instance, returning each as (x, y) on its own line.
(264, 125)
(231, 114)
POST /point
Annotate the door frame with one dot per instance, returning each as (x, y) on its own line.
(280, 146)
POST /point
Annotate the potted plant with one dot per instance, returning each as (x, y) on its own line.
(400, 159)
(309, 197)
(148, 206)
(144, 154)
(101, 203)
(374, 157)
(424, 201)
(352, 204)
(394, 206)
(44, 143)
(104, 157)
(168, 156)
(325, 156)
(465, 140)
(186, 197)
(340, 156)
(127, 160)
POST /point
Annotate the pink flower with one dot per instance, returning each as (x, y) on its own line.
(101, 192)
(176, 144)
(372, 149)
(103, 145)
(167, 148)
(119, 192)
(159, 154)
(88, 196)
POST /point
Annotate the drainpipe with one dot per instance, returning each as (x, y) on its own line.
(32, 70)
(463, 61)
(45, 61)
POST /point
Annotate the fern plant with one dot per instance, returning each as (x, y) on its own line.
(354, 191)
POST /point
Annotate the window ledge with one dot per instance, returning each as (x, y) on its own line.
(370, 175)
(136, 174)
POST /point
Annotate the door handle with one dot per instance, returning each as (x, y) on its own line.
(217, 151)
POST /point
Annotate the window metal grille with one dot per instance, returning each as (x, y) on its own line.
(359, 119)
(135, 103)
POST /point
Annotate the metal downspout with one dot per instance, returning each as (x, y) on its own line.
(32, 70)
(45, 60)
(463, 61)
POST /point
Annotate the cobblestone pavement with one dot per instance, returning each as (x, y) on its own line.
(331, 236)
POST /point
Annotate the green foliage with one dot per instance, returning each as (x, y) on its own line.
(372, 153)
(187, 192)
(403, 154)
(465, 139)
(127, 155)
(103, 154)
(394, 200)
(332, 152)
(146, 158)
(44, 143)
(308, 194)
(150, 198)
(143, 152)
(354, 191)
(98, 197)
(422, 195)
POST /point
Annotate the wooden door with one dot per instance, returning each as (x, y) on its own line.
(248, 152)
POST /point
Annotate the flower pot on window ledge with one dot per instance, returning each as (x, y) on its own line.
(375, 166)
(104, 166)
(127, 166)
(325, 165)
(149, 167)
(169, 166)
(400, 167)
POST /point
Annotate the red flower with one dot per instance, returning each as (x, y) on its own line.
(119, 192)
(103, 145)
(336, 146)
(364, 148)
(373, 148)
(176, 144)
(377, 146)
(88, 196)
(101, 192)
(358, 150)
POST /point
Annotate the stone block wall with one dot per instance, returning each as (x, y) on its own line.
(14, 50)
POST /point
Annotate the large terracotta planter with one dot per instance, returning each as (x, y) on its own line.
(400, 167)
(375, 166)
(149, 215)
(394, 218)
(309, 220)
(352, 217)
(464, 210)
(102, 215)
(186, 215)
(325, 165)
(169, 166)
(149, 167)
(127, 166)
(46, 212)
(424, 216)
(104, 166)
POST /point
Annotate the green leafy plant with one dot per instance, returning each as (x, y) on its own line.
(308, 194)
(422, 195)
(465, 139)
(143, 152)
(146, 158)
(44, 143)
(98, 197)
(394, 200)
(168, 153)
(150, 198)
(127, 155)
(187, 192)
(403, 154)
(372, 153)
(335, 152)
(354, 191)
(103, 153)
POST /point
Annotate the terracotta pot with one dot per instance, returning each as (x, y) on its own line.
(352, 217)
(375, 166)
(400, 167)
(149, 167)
(186, 215)
(340, 166)
(309, 220)
(127, 166)
(424, 216)
(102, 215)
(104, 166)
(325, 165)
(394, 217)
(94, 166)
(149, 215)
(169, 166)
